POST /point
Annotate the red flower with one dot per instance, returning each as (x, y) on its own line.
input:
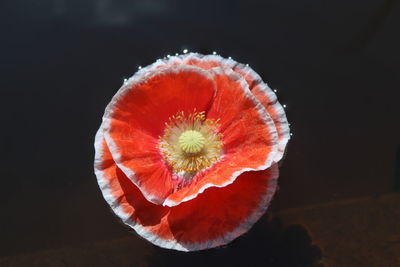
(187, 151)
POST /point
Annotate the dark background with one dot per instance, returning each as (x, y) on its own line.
(335, 64)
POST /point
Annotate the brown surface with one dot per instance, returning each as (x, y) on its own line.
(356, 232)
(120, 252)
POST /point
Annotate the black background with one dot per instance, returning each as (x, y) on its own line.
(335, 64)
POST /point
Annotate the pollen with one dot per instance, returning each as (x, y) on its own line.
(191, 142)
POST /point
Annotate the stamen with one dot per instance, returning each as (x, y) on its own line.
(191, 142)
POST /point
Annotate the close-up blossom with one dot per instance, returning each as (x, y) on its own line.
(188, 149)
(156, 133)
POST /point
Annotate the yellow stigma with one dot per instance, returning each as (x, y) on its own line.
(191, 141)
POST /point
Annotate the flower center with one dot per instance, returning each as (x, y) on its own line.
(191, 141)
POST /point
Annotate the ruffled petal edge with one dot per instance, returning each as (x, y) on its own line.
(177, 197)
(173, 244)
(139, 77)
(267, 95)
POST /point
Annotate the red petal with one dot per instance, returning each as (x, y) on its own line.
(269, 100)
(260, 90)
(214, 218)
(136, 116)
(249, 136)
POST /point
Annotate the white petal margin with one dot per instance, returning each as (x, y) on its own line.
(175, 244)
(141, 76)
(265, 89)
(271, 157)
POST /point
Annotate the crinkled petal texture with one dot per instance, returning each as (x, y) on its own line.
(260, 89)
(214, 218)
(220, 202)
(136, 117)
(249, 136)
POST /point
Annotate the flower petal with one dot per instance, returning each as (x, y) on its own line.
(212, 219)
(136, 117)
(249, 136)
(260, 89)
(269, 100)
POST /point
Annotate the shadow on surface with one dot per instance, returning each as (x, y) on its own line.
(267, 244)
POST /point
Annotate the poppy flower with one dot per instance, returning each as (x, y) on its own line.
(187, 151)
